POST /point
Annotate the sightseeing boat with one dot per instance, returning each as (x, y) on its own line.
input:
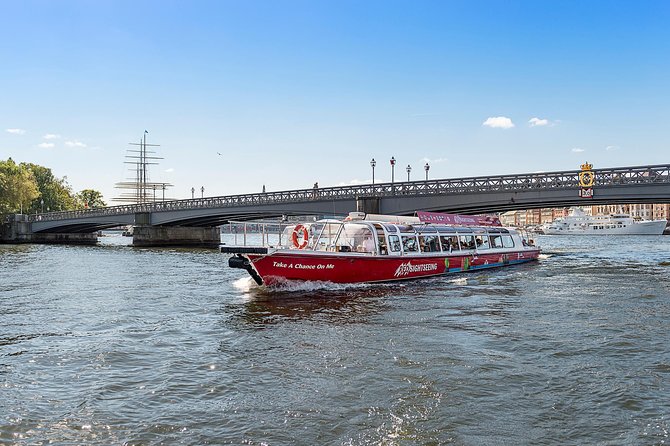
(374, 248)
(579, 223)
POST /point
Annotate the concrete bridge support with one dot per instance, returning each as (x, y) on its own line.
(147, 235)
(17, 229)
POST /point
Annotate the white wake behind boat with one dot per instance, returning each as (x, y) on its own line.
(579, 223)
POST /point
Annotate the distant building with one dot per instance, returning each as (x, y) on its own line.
(533, 217)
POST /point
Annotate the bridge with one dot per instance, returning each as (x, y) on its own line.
(471, 195)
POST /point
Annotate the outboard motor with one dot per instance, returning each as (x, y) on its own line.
(242, 262)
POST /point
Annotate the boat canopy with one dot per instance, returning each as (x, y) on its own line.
(370, 237)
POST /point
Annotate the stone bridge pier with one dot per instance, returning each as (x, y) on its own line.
(146, 234)
(18, 229)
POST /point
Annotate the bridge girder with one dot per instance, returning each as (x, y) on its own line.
(640, 184)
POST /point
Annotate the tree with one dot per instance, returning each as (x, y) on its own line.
(18, 187)
(89, 198)
(31, 188)
(56, 192)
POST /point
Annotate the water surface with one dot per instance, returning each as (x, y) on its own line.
(117, 345)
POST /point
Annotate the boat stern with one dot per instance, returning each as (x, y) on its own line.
(241, 260)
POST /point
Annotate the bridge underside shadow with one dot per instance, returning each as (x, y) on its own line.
(83, 225)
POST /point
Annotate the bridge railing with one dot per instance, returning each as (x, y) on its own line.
(520, 182)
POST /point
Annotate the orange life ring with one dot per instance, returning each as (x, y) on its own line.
(296, 233)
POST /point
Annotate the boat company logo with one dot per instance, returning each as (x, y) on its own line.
(407, 268)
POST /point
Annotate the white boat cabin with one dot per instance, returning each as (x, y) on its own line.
(384, 238)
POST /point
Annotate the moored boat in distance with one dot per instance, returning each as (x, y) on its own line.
(379, 248)
(579, 223)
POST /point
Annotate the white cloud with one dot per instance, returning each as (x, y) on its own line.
(51, 136)
(75, 143)
(537, 122)
(170, 170)
(354, 182)
(45, 145)
(577, 150)
(610, 148)
(16, 131)
(435, 161)
(499, 122)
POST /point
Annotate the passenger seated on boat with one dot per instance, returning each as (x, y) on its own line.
(409, 243)
(368, 245)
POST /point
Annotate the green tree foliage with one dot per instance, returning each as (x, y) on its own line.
(89, 199)
(31, 188)
(18, 187)
(56, 192)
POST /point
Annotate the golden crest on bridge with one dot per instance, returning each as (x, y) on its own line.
(586, 176)
(586, 180)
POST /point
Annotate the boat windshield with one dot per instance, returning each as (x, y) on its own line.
(324, 234)
(356, 237)
(343, 237)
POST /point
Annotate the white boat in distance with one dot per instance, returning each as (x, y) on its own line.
(578, 223)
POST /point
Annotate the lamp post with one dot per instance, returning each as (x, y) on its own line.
(163, 191)
(392, 169)
(202, 192)
(42, 203)
(373, 163)
(192, 192)
(426, 168)
(408, 169)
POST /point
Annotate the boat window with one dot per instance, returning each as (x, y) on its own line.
(496, 241)
(508, 241)
(449, 243)
(405, 228)
(391, 228)
(356, 237)
(445, 229)
(409, 243)
(324, 235)
(482, 241)
(429, 243)
(381, 239)
(467, 241)
(394, 242)
(427, 228)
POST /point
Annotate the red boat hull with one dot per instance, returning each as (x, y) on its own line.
(294, 265)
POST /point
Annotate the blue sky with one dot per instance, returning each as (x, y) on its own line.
(293, 92)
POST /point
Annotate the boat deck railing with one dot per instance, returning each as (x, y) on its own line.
(246, 233)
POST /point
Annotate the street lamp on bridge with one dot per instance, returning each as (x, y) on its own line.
(408, 169)
(202, 192)
(192, 192)
(392, 169)
(426, 168)
(373, 163)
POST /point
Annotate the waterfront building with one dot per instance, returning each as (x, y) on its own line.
(533, 217)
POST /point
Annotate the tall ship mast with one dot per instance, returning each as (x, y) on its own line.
(141, 189)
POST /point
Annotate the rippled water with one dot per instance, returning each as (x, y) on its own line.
(114, 345)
